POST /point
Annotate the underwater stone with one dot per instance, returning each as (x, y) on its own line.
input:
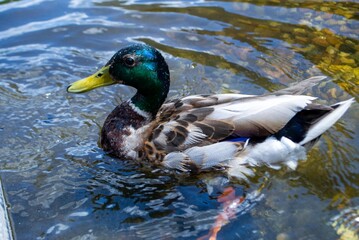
(333, 40)
(347, 61)
(348, 47)
(331, 50)
(302, 39)
(321, 41)
(282, 236)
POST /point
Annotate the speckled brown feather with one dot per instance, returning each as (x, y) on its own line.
(177, 119)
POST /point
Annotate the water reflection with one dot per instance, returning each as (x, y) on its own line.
(59, 183)
(327, 40)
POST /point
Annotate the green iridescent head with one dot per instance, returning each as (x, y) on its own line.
(140, 66)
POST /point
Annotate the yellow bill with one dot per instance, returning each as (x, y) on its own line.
(99, 79)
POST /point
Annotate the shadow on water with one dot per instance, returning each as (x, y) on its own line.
(60, 185)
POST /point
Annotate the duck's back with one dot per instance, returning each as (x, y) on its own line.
(204, 131)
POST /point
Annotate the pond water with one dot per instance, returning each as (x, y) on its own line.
(59, 184)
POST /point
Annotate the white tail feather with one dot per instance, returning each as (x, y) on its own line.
(272, 153)
(324, 124)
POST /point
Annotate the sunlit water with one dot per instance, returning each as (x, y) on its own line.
(60, 185)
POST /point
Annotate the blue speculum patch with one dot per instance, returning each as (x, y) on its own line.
(237, 139)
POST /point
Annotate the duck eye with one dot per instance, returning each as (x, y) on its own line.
(129, 61)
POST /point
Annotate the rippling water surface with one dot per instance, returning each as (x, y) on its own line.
(60, 185)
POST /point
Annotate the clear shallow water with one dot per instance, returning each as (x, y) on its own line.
(60, 185)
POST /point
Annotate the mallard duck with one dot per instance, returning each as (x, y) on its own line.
(229, 131)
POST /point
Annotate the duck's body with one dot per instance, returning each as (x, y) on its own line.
(204, 131)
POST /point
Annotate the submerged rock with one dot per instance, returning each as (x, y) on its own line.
(346, 223)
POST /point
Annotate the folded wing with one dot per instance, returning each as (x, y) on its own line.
(200, 120)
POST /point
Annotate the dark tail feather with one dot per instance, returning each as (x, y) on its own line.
(307, 125)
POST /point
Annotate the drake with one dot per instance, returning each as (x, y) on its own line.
(201, 132)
